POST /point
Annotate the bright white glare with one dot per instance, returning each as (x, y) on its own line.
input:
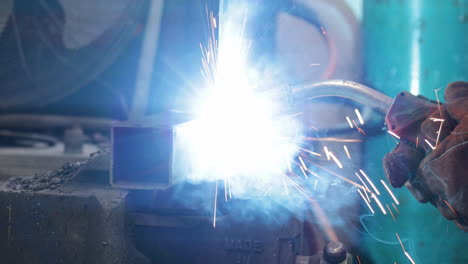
(238, 133)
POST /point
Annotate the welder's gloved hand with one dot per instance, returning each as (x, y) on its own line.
(439, 175)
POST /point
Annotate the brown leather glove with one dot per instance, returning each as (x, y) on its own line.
(439, 175)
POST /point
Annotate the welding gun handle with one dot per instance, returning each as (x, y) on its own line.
(363, 95)
(406, 114)
(345, 89)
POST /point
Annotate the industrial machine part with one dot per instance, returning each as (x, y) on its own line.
(162, 226)
(142, 155)
(71, 215)
(33, 144)
(56, 218)
(333, 253)
(162, 231)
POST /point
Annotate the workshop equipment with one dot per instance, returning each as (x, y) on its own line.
(142, 155)
(95, 220)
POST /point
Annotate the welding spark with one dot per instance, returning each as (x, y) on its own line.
(363, 183)
(349, 122)
(429, 144)
(239, 129)
(225, 191)
(367, 190)
(393, 134)
(302, 163)
(450, 207)
(215, 204)
(370, 182)
(409, 257)
(336, 160)
(333, 139)
(396, 209)
(404, 250)
(310, 152)
(391, 213)
(296, 114)
(358, 128)
(336, 174)
(390, 192)
(365, 200)
(359, 116)
(401, 243)
(378, 203)
(305, 174)
(347, 152)
(286, 190)
(311, 172)
(327, 153)
(359, 260)
(438, 133)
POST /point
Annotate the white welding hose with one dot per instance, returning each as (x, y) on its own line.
(365, 96)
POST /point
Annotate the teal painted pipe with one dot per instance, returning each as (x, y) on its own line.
(418, 46)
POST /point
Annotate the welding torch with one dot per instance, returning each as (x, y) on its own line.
(430, 158)
(375, 101)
